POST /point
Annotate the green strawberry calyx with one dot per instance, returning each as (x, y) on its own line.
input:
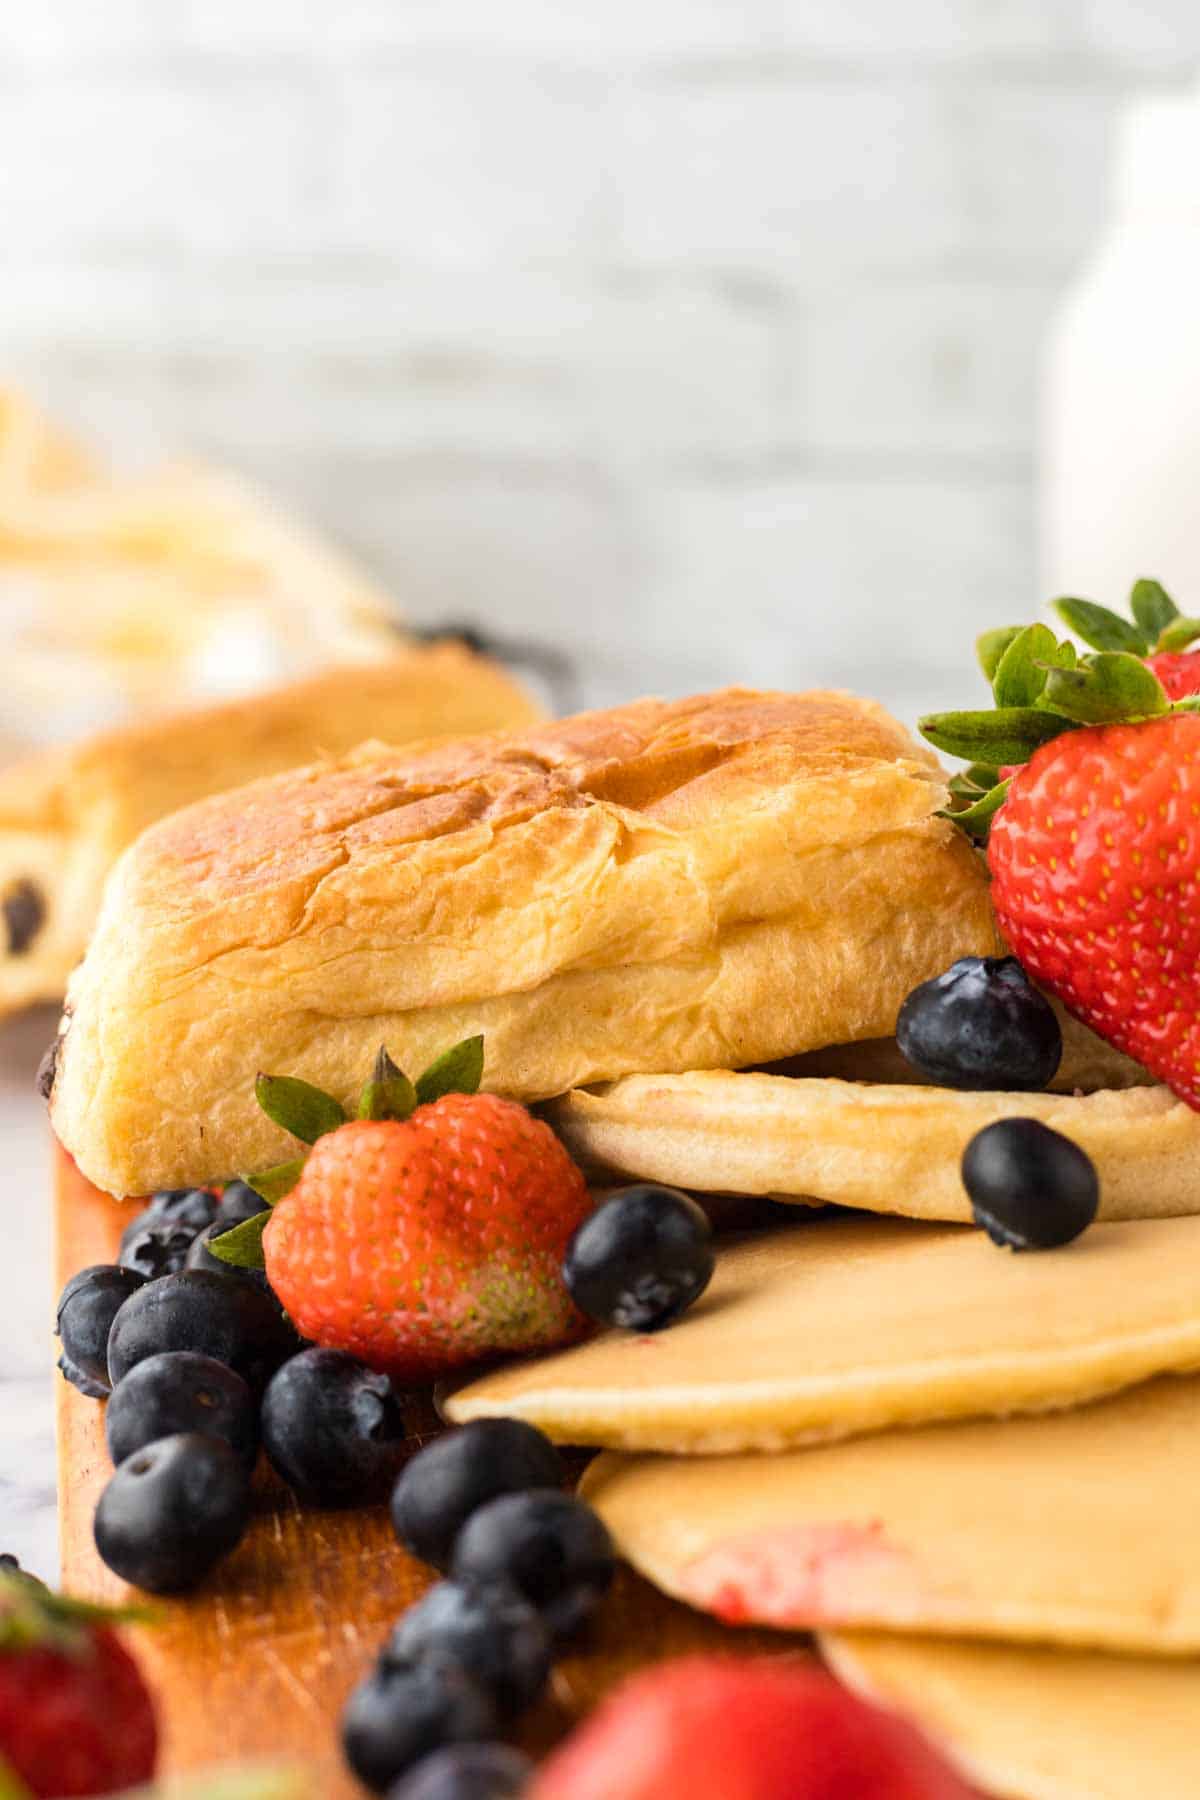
(1042, 687)
(309, 1113)
(33, 1617)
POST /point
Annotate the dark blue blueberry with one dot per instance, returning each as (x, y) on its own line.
(397, 1716)
(157, 1241)
(641, 1259)
(231, 1321)
(1031, 1188)
(549, 1545)
(458, 1473)
(172, 1511)
(179, 1391)
(159, 1247)
(493, 1631)
(333, 1429)
(981, 1025)
(467, 1772)
(199, 1256)
(238, 1203)
(87, 1307)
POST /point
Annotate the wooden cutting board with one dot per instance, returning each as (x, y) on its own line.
(260, 1660)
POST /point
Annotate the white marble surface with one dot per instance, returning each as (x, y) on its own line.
(28, 1521)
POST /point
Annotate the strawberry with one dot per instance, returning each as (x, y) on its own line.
(76, 1716)
(1179, 672)
(428, 1233)
(1095, 861)
(712, 1728)
(1093, 842)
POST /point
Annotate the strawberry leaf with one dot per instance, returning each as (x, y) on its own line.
(976, 820)
(455, 1071)
(984, 776)
(299, 1107)
(1010, 735)
(33, 1616)
(991, 645)
(1179, 634)
(1153, 608)
(1021, 673)
(1105, 689)
(242, 1246)
(389, 1094)
(272, 1184)
(1102, 629)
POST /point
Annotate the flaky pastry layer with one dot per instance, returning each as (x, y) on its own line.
(682, 884)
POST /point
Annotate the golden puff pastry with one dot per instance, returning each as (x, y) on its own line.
(687, 884)
(66, 815)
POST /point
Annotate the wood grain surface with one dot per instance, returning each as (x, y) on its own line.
(261, 1658)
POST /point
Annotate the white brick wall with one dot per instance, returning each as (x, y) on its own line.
(699, 336)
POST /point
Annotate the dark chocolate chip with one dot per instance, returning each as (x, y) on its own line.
(24, 911)
(48, 1069)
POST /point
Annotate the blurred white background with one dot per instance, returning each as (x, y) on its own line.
(698, 336)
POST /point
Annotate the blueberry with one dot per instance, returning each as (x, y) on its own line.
(333, 1429)
(87, 1307)
(492, 1630)
(238, 1203)
(157, 1241)
(159, 1247)
(982, 1024)
(1031, 1188)
(457, 1474)
(467, 1772)
(192, 1208)
(231, 1321)
(172, 1511)
(176, 1392)
(399, 1715)
(199, 1256)
(641, 1258)
(549, 1545)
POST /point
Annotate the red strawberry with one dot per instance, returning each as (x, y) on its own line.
(75, 1715)
(1179, 672)
(424, 1244)
(1094, 838)
(1095, 859)
(711, 1728)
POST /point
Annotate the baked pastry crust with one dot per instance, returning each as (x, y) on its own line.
(65, 816)
(686, 884)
